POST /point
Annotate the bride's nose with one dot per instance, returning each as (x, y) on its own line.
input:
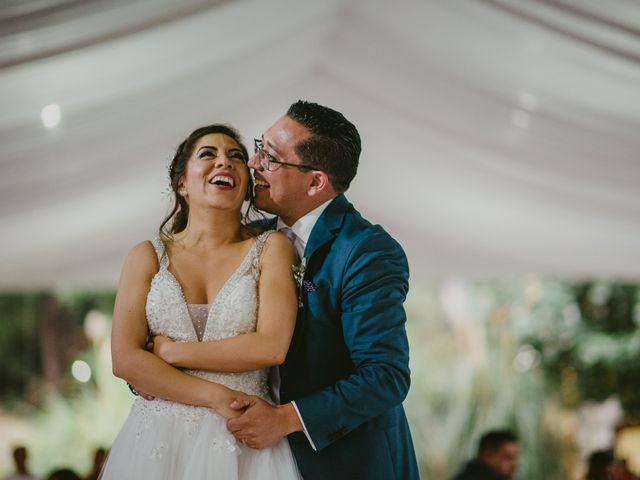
(223, 162)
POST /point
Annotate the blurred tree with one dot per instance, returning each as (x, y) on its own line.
(42, 333)
(21, 359)
(472, 373)
(592, 349)
(608, 358)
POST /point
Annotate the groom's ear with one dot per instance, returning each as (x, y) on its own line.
(319, 183)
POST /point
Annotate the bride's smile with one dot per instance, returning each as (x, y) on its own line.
(216, 175)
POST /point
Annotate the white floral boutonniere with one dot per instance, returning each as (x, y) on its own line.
(298, 276)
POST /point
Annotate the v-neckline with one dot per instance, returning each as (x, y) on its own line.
(185, 305)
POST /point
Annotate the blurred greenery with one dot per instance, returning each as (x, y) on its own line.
(522, 354)
(70, 428)
(61, 422)
(590, 347)
(517, 353)
(465, 340)
(41, 334)
(21, 362)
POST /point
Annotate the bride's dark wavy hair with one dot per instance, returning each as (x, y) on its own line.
(180, 212)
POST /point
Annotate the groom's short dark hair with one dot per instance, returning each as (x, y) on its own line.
(334, 146)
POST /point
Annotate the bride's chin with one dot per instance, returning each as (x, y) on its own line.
(218, 204)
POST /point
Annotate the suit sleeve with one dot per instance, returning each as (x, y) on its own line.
(375, 285)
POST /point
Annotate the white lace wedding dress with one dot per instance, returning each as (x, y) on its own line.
(168, 440)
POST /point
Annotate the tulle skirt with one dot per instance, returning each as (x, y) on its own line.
(166, 440)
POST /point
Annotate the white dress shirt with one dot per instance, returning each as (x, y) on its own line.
(303, 227)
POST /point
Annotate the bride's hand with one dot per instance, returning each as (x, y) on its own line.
(223, 398)
(162, 347)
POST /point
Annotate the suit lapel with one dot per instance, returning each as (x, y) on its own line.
(327, 225)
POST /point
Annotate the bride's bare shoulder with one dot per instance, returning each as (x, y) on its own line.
(278, 246)
(142, 257)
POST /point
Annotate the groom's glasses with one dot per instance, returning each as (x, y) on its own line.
(268, 162)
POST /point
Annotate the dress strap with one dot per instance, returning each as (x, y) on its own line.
(158, 245)
(258, 248)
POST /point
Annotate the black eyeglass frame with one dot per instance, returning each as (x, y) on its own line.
(270, 160)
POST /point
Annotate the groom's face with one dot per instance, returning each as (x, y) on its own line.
(283, 191)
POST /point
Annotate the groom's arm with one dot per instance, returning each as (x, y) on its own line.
(373, 320)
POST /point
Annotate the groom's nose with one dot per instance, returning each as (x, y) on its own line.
(254, 162)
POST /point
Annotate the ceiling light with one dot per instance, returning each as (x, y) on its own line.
(51, 115)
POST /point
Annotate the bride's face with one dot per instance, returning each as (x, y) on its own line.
(217, 174)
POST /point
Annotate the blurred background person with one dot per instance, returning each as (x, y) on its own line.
(497, 458)
(20, 463)
(600, 465)
(99, 457)
(63, 474)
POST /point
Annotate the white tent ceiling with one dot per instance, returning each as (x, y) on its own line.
(500, 136)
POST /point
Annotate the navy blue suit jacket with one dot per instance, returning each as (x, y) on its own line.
(347, 367)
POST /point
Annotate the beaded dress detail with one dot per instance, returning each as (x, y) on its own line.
(199, 313)
(168, 440)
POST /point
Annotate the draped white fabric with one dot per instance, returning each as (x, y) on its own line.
(500, 136)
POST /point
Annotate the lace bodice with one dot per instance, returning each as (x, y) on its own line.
(233, 312)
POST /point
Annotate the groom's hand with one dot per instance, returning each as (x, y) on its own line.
(262, 425)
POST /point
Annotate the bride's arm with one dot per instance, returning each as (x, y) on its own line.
(143, 369)
(268, 345)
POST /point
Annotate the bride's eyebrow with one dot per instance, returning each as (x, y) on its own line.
(207, 146)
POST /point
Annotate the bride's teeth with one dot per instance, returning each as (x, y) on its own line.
(221, 180)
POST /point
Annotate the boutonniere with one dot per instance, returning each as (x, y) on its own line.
(298, 276)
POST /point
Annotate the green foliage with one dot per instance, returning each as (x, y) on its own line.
(81, 303)
(19, 344)
(28, 321)
(485, 355)
(511, 354)
(590, 347)
(68, 424)
(69, 429)
(467, 378)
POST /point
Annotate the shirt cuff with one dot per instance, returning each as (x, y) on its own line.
(304, 428)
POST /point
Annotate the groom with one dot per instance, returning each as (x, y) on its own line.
(346, 373)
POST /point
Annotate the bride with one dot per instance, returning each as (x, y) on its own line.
(207, 277)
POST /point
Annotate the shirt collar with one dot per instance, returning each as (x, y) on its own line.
(303, 227)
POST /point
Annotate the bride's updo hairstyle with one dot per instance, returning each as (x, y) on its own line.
(180, 212)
